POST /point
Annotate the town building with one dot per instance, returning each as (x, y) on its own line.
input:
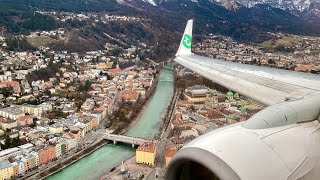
(13, 152)
(146, 153)
(27, 161)
(15, 168)
(170, 152)
(88, 105)
(6, 170)
(46, 155)
(7, 123)
(25, 120)
(56, 128)
(12, 112)
(130, 96)
(14, 84)
(34, 110)
(196, 94)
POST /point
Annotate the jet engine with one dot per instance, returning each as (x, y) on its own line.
(281, 142)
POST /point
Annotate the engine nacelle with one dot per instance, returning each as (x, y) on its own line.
(235, 152)
(280, 141)
(195, 163)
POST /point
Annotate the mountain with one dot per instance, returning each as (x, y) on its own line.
(292, 5)
(230, 17)
(303, 8)
(162, 21)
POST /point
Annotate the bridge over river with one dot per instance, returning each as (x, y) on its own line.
(125, 139)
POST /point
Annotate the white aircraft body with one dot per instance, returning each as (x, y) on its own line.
(281, 142)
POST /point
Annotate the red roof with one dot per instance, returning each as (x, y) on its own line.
(147, 147)
(170, 152)
(115, 70)
(226, 112)
(14, 84)
(24, 118)
(130, 95)
(212, 114)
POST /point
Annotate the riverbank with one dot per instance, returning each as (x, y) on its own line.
(148, 97)
(135, 170)
(163, 132)
(150, 121)
(138, 169)
(101, 161)
(64, 162)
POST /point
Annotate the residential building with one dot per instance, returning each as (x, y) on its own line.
(114, 72)
(71, 143)
(130, 95)
(56, 128)
(88, 105)
(15, 167)
(13, 152)
(25, 120)
(104, 65)
(61, 148)
(7, 123)
(35, 156)
(213, 114)
(146, 153)
(14, 84)
(170, 152)
(6, 170)
(34, 110)
(29, 160)
(58, 150)
(21, 167)
(93, 123)
(12, 112)
(46, 154)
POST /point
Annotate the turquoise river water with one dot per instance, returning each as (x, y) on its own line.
(102, 160)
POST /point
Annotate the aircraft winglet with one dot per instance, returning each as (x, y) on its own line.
(186, 41)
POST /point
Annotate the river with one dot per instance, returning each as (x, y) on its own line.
(102, 160)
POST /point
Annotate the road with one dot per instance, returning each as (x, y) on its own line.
(156, 174)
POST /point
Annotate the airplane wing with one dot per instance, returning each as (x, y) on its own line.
(280, 142)
(265, 85)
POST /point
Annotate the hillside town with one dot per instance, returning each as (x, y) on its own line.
(200, 110)
(293, 52)
(51, 101)
(96, 17)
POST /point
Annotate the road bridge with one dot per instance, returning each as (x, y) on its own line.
(125, 139)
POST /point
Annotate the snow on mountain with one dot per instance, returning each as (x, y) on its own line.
(229, 4)
(152, 2)
(301, 8)
(302, 5)
(292, 5)
(304, 8)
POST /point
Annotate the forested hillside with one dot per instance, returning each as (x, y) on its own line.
(160, 26)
